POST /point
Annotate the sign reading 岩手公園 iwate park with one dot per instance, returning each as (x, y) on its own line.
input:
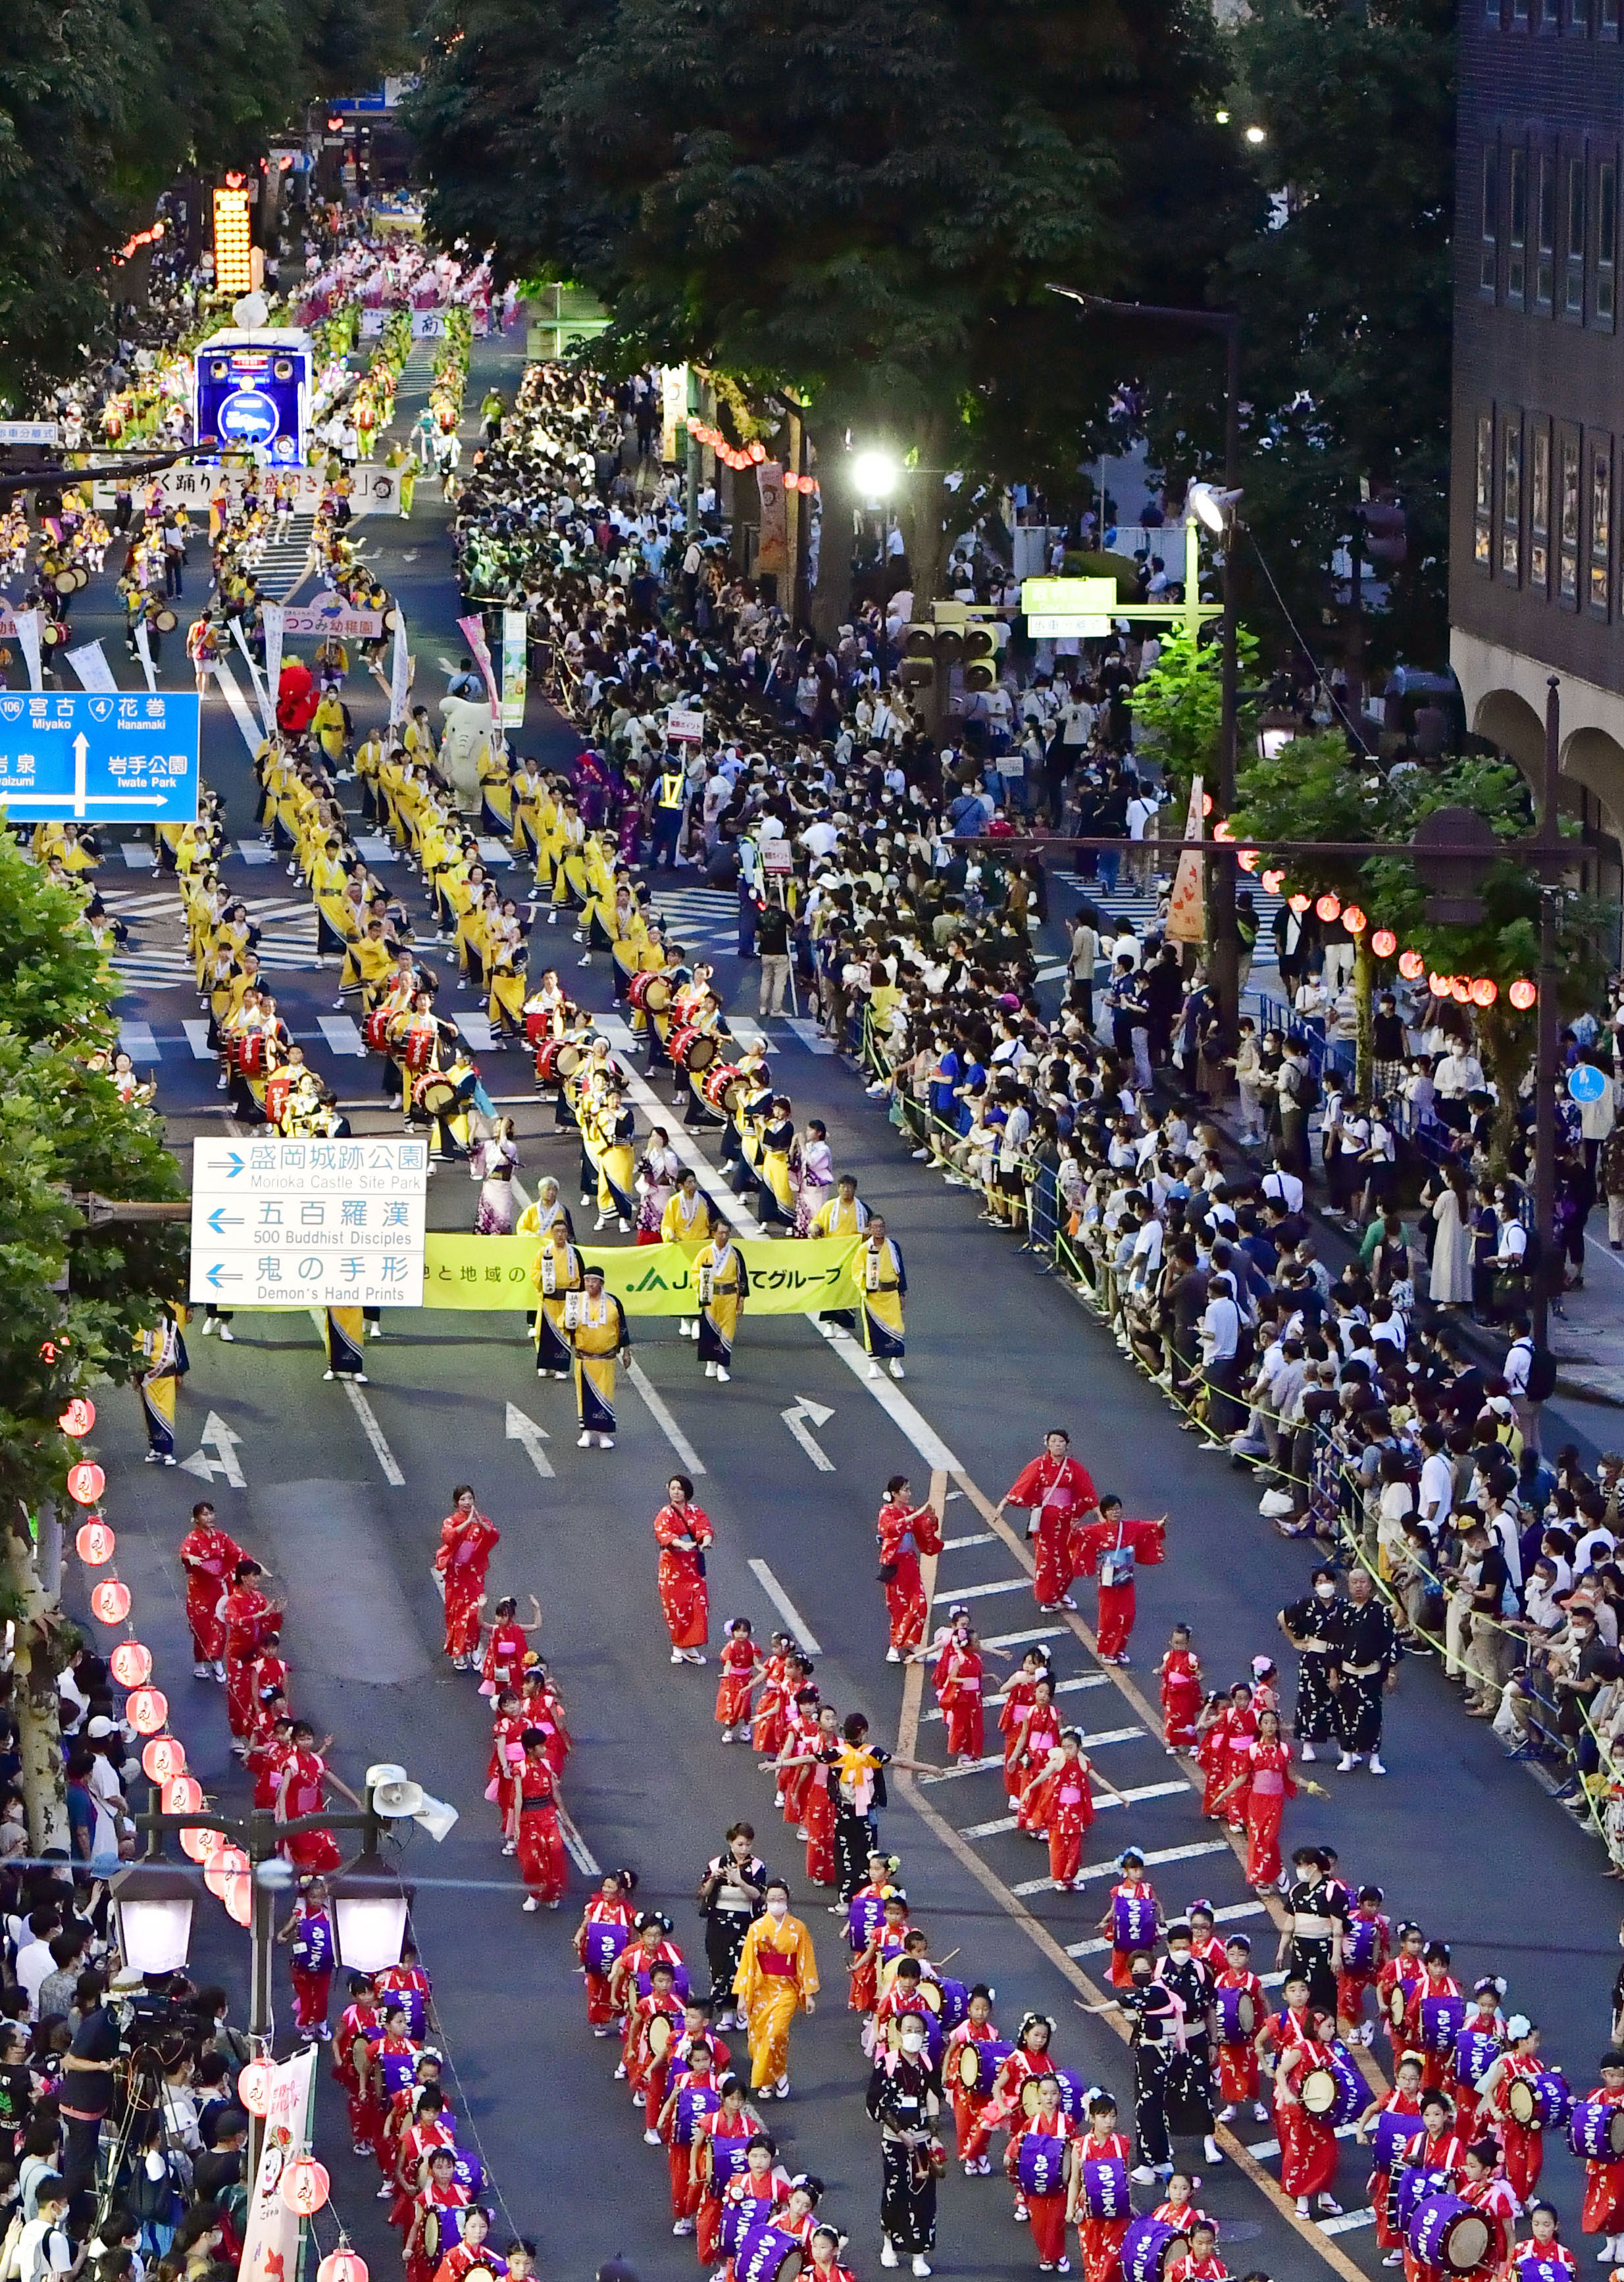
(96, 755)
(317, 1223)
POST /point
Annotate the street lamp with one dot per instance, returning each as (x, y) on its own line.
(1212, 506)
(370, 1915)
(154, 1904)
(875, 473)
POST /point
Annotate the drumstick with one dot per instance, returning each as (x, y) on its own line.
(940, 1962)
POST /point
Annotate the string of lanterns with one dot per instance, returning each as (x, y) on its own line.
(1479, 990)
(751, 455)
(304, 2185)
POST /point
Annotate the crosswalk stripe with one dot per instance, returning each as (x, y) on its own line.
(196, 1038)
(1007, 1822)
(138, 1040)
(982, 1592)
(1166, 1854)
(1272, 2147)
(958, 1544)
(996, 1759)
(811, 1036)
(341, 1034)
(1062, 1688)
(1032, 1632)
(137, 858)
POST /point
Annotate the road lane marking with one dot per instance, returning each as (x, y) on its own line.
(341, 1034)
(982, 1592)
(958, 1544)
(1040, 1633)
(137, 1041)
(1061, 1687)
(996, 1759)
(374, 1434)
(654, 1404)
(785, 1606)
(576, 1846)
(1007, 1822)
(521, 1428)
(800, 1419)
(1095, 1870)
(196, 1038)
(915, 1427)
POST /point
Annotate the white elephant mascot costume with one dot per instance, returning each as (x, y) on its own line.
(470, 736)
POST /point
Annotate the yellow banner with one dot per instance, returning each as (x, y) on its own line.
(787, 1277)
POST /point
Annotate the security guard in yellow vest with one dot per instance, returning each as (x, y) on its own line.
(669, 800)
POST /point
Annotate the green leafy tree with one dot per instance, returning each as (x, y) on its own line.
(77, 1297)
(862, 205)
(1180, 704)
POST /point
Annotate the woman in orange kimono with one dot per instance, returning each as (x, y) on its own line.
(467, 1540)
(682, 1531)
(777, 1978)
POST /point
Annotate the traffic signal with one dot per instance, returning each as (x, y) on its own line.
(918, 668)
(1387, 541)
(981, 657)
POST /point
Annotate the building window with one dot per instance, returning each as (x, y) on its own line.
(1567, 529)
(1545, 259)
(1549, 16)
(1489, 265)
(1572, 289)
(1579, 18)
(1539, 506)
(1511, 499)
(1607, 19)
(1606, 239)
(1517, 224)
(1600, 586)
(1520, 15)
(1483, 493)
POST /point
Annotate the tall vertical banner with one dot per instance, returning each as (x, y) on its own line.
(91, 667)
(473, 632)
(266, 714)
(400, 671)
(772, 553)
(1186, 917)
(515, 667)
(144, 645)
(270, 2236)
(29, 635)
(271, 620)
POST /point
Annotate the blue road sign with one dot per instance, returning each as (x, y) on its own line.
(110, 756)
(1586, 1082)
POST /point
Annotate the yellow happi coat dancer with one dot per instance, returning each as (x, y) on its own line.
(595, 1325)
(723, 1283)
(777, 1978)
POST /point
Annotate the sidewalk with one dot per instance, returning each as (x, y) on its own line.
(1586, 1336)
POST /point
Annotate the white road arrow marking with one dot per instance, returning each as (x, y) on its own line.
(521, 1429)
(224, 1442)
(797, 1420)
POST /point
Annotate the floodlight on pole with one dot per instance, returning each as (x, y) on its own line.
(1212, 505)
(875, 473)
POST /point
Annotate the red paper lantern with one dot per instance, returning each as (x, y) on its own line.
(1522, 995)
(1327, 907)
(1298, 904)
(131, 1664)
(146, 1710)
(253, 2089)
(1484, 990)
(1460, 990)
(78, 1418)
(1223, 829)
(342, 2265)
(757, 453)
(110, 1602)
(1438, 985)
(238, 1898)
(1248, 859)
(1205, 803)
(222, 1864)
(1411, 966)
(304, 2185)
(95, 1543)
(1272, 882)
(86, 1482)
(1354, 919)
(1384, 942)
(181, 1795)
(164, 1756)
(198, 1843)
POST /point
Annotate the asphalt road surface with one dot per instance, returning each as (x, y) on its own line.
(342, 1492)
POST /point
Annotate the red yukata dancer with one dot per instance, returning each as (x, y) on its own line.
(461, 2260)
(1403, 2102)
(969, 2102)
(408, 1985)
(431, 2127)
(302, 1790)
(1132, 1916)
(903, 1532)
(1037, 1734)
(433, 2226)
(1604, 2181)
(501, 1768)
(1268, 1784)
(541, 1707)
(360, 2031)
(1436, 1980)
(1395, 1985)
(309, 1934)
(886, 1941)
(1307, 2147)
(738, 1666)
(503, 1662)
(1031, 2057)
(822, 1866)
(678, 2118)
(249, 1621)
(1060, 1803)
(772, 1707)
(1366, 1946)
(541, 1841)
(1201, 2263)
(796, 1760)
(729, 2123)
(1239, 2073)
(1019, 1695)
(467, 1540)
(270, 1739)
(1522, 2144)
(1180, 1673)
(610, 1906)
(682, 1531)
(1046, 2212)
(1477, 2048)
(958, 1679)
(208, 1557)
(1110, 1548)
(1060, 1495)
(1496, 2201)
(1237, 1762)
(1100, 2232)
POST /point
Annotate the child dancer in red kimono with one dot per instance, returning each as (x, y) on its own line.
(675, 2126)
(504, 1665)
(249, 1622)
(1046, 2212)
(1238, 1766)
(1132, 1916)
(1212, 1746)
(309, 1933)
(359, 2030)
(1239, 2073)
(796, 1759)
(682, 1531)
(728, 2122)
(957, 1680)
(903, 1533)
(1180, 1673)
(740, 1662)
(541, 1707)
(772, 1706)
(541, 1841)
(1019, 1696)
(1037, 1734)
(1267, 1781)
(1404, 2102)
(1365, 1948)
(501, 1768)
(302, 1790)
(208, 1557)
(969, 2100)
(1059, 1803)
(1100, 2236)
(1307, 2146)
(467, 1540)
(610, 1906)
(1111, 1547)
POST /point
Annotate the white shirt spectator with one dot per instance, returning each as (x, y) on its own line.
(1437, 1491)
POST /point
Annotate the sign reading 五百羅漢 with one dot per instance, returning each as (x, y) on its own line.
(72, 755)
(318, 1223)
